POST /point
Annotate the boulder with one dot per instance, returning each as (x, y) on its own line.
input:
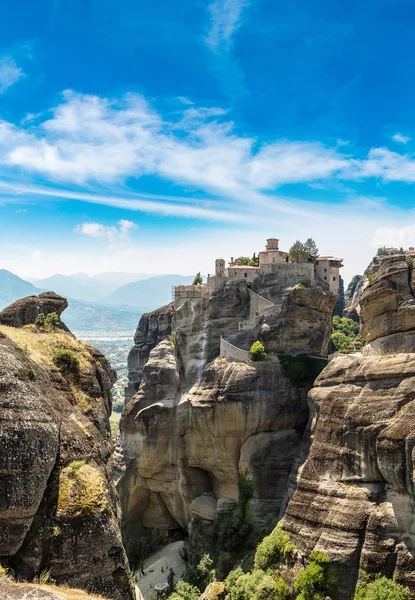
(26, 310)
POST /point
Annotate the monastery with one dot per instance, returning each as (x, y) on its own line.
(270, 260)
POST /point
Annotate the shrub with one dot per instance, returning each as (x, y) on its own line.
(345, 334)
(273, 549)
(317, 581)
(198, 279)
(185, 591)
(257, 351)
(173, 338)
(380, 589)
(255, 586)
(40, 320)
(52, 321)
(372, 277)
(66, 361)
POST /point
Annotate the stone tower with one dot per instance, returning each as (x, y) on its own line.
(219, 267)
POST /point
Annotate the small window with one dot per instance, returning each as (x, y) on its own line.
(246, 274)
(325, 270)
(325, 278)
(334, 279)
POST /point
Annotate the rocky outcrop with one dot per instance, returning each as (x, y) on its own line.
(26, 310)
(356, 288)
(198, 421)
(58, 508)
(152, 329)
(353, 497)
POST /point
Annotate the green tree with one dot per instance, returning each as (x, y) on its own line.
(380, 589)
(273, 549)
(318, 580)
(298, 252)
(311, 248)
(401, 250)
(198, 279)
(257, 351)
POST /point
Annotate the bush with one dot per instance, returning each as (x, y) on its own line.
(273, 549)
(52, 321)
(66, 361)
(317, 581)
(198, 279)
(185, 591)
(345, 334)
(40, 320)
(380, 589)
(255, 586)
(257, 351)
(173, 338)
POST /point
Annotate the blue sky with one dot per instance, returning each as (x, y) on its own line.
(155, 135)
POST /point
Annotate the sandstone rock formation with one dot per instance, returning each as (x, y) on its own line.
(58, 508)
(353, 497)
(26, 310)
(198, 420)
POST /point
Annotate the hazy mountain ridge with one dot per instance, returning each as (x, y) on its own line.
(92, 306)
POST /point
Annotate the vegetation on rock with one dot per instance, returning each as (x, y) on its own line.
(66, 361)
(257, 351)
(82, 491)
(274, 548)
(345, 335)
(303, 251)
(198, 279)
(380, 588)
(318, 580)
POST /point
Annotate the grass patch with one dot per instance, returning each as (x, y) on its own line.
(42, 346)
(114, 422)
(82, 491)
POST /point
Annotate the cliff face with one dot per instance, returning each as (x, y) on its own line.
(58, 508)
(199, 420)
(354, 495)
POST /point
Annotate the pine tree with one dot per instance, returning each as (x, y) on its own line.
(298, 252)
(311, 248)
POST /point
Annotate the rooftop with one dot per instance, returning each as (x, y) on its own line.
(329, 258)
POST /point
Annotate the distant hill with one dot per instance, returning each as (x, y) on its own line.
(148, 293)
(13, 287)
(114, 280)
(80, 316)
(72, 286)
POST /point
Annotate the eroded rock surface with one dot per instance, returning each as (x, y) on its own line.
(354, 495)
(199, 420)
(26, 310)
(58, 508)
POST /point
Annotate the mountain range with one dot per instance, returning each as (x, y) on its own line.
(97, 303)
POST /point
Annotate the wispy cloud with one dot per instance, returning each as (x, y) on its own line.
(402, 139)
(225, 18)
(101, 143)
(10, 73)
(113, 234)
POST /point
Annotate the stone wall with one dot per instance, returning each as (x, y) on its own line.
(231, 352)
(258, 303)
(290, 274)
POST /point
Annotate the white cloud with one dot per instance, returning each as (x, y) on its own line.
(90, 145)
(225, 18)
(10, 73)
(402, 139)
(396, 237)
(119, 234)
